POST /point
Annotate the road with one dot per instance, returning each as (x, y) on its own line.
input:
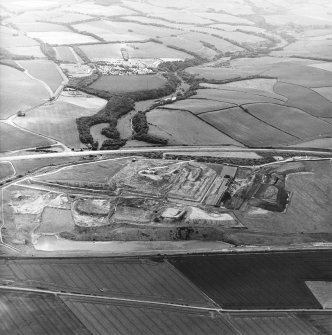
(165, 149)
(155, 303)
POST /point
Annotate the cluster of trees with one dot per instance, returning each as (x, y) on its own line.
(141, 128)
(114, 109)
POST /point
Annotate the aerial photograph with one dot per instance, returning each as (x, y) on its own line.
(166, 167)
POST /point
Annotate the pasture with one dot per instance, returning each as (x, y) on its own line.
(98, 10)
(183, 128)
(12, 138)
(40, 27)
(56, 120)
(326, 92)
(130, 83)
(198, 106)
(124, 31)
(27, 51)
(66, 54)
(62, 38)
(246, 129)
(135, 50)
(306, 99)
(291, 120)
(31, 92)
(45, 71)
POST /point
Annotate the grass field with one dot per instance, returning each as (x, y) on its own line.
(66, 16)
(181, 127)
(326, 92)
(99, 172)
(56, 120)
(27, 51)
(16, 40)
(247, 129)
(234, 96)
(62, 38)
(291, 120)
(32, 92)
(12, 138)
(44, 70)
(41, 27)
(135, 50)
(65, 54)
(252, 281)
(318, 143)
(310, 199)
(124, 31)
(198, 106)
(98, 10)
(130, 83)
(305, 99)
(6, 170)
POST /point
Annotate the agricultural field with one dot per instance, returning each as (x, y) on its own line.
(44, 70)
(41, 27)
(326, 92)
(246, 129)
(253, 281)
(181, 128)
(12, 138)
(130, 83)
(291, 120)
(33, 51)
(88, 8)
(57, 120)
(32, 92)
(124, 31)
(198, 106)
(67, 54)
(62, 38)
(135, 50)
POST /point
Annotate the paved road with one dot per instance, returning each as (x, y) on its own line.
(162, 149)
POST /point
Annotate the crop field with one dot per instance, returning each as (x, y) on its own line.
(6, 170)
(56, 120)
(291, 120)
(66, 17)
(271, 323)
(132, 278)
(27, 51)
(307, 48)
(181, 127)
(189, 44)
(310, 199)
(97, 172)
(16, 40)
(12, 138)
(62, 38)
(247, 129)
(233, 96)
(130, 83)
(83, 100)
(325, 143)
(94, 9)
(103, 318)
(41, 27)
(34, 313)
(198, 106)
(55, 220)
(135, 50)
(258, 281)
(305, 99)
(326, 92)
(32, 92)
(124, 31)
(66, 54)
(240, 88)
(44, 70)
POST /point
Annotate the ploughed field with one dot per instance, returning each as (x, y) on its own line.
(160, 294)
